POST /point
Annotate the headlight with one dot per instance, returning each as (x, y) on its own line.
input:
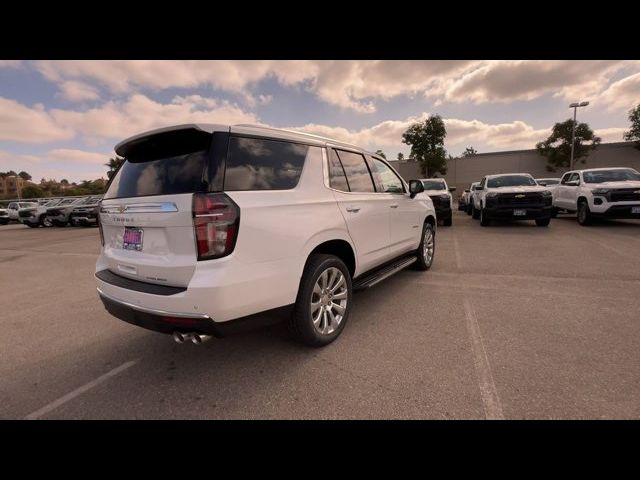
(601, 191)
(546, 193)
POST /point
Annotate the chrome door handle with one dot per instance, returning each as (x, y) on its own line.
(353, 209)
(394, 206)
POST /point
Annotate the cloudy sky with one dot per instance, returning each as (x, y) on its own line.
(61, 119)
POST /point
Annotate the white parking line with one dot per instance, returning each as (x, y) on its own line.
(456, 249)
(488, 392)
(79, 391)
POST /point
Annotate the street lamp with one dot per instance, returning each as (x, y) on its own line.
(575, 107)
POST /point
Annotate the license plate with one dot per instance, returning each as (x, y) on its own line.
(519, 212)
(635, 209)
(132, 239)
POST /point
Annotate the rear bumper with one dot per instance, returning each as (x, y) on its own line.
(507, 213)
(168, 322)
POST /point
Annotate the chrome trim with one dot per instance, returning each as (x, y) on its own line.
(160, 207)
(154, 311)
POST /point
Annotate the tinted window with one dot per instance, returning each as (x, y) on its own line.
(337, 178)
(565, 178)
(387, 180)
(548, 181)
(164, 176)
(600, 176)
(357, 172)
(511, 181)
(259, 164)
(433, 185)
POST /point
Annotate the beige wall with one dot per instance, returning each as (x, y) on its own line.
(463, 171)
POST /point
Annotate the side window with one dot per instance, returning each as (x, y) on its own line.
(261, 164)
(575, 177)
(337, 178)
(386, 179)
(565, 178)
(12, 206)
(356, 171)
(484, 180)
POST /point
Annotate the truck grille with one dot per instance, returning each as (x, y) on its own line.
(529, 198)
(629, 195)
(25, 213)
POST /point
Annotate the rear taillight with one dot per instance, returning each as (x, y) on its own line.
(215, 220)
(100, 226)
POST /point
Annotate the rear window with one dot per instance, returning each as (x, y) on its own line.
(261, 164)
(162, 164)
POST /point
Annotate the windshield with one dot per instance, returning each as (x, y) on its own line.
(618, 175)
(433, 185)
(511, 181)
(27, 205)
(549, 181)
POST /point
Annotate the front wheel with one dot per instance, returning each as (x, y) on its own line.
(324, 301)
(475, 213)
(484, 221)
(584, 214)
(543, 222)
(426, 249)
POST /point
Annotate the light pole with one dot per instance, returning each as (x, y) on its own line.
(573, 133)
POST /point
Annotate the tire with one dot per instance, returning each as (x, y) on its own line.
(45, 222)
(543, 222)
(72, 222)
(59, 224)
(484, 221)
(32, 225)
(475, 214)
(584, 215)
(554, 212)
(447, 222)
(469, 209)
(301, 323)
(425, 258)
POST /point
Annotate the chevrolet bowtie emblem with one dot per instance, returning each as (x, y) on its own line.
(521, 195)
(637, 191)
(122, 208)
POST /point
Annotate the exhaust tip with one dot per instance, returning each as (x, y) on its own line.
(179, 337)
(198, 339)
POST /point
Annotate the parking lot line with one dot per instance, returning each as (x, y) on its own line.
(79, 391)
(488, 392)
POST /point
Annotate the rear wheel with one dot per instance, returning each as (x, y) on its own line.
(324, 301)
(543, 222)
(426, 249)
(584, 214)
(45, 222)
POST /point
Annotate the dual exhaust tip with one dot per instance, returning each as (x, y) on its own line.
(196, 338)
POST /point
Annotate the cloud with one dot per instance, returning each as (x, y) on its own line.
(78, 156)
(623, 94)
(78, 91)
(610, 134)
(10, 63)
(121, 119)
(20, 123)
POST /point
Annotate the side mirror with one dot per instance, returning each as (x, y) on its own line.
(415, 187)
(452, 189)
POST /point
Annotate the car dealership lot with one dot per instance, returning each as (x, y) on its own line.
(512, 321)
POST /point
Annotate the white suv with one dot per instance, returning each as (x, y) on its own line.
(211, 229)
(512, 196)
(599, 192)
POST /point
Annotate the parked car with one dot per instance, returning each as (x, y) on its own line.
(4, 216)
(86, 213)
(210, 229)
(512, 196)
(440, 195)
(15, 208)
(36, 216)
(466, 198)
(58, 215)
(599, 193)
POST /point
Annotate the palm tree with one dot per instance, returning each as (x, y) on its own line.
(114, 165)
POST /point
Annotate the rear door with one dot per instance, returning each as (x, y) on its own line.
(365, 211)
(146, 213)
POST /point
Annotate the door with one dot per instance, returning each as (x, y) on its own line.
(405, 214)
(13, 211)
(568, 194)
(366, 212)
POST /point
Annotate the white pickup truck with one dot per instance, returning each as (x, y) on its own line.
(599, 193)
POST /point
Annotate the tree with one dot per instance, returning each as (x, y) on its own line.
(381, 153)
(633, 135)
(64, 181)
(557, 148)
(25, 176)
(400, 156)
(427, 145)
(10, 173)
(469, 152)
(33, 191)
(114, 165)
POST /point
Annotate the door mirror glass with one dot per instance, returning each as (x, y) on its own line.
(415, 187)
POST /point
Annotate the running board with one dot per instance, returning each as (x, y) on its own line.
(377, 276)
